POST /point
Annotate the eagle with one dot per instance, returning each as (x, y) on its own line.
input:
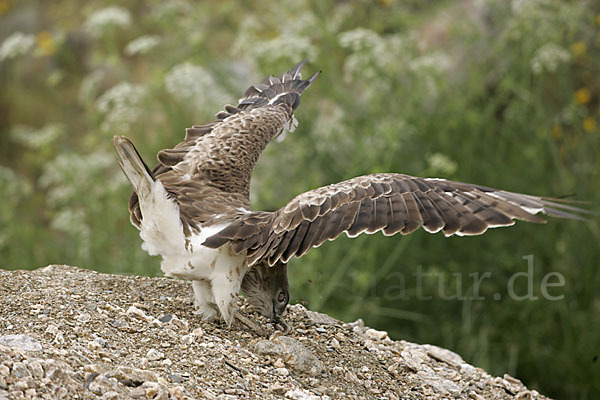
(193, 208)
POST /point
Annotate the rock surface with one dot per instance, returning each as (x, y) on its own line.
(69, 333)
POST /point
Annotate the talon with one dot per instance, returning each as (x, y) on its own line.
(279, 323)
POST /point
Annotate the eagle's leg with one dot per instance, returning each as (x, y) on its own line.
(225, 291)
(204, 301)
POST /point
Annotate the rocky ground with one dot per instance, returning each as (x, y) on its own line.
(69, 333)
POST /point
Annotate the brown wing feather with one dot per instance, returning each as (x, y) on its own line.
(208, 173)
(390, 203)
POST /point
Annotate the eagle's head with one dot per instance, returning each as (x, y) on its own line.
(267, 289)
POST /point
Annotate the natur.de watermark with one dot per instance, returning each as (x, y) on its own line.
(466, 286)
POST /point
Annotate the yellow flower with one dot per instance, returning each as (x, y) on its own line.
(556, 132)
(578, 49)
(582, 96)
(4, 6)
(589, 124)
(45, 43)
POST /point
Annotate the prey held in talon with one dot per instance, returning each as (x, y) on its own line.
(193, 208)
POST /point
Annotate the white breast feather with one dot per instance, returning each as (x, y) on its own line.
(162, 233)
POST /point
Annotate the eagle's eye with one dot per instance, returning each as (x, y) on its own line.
(281, 297)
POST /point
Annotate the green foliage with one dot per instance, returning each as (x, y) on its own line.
(501, 93)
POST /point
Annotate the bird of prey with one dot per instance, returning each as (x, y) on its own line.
(193, 208)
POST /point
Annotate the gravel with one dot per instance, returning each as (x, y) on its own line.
(70, 333)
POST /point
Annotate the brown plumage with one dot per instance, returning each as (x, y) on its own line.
(193, 208)
(391, 203)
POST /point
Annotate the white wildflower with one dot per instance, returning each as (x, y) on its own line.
(69, 177)
(121, 106)
(100, 20)
(142, 45)
(373, 54)
(436, 61)
(330, 119)
(90, 85)
(360, 39)
(167, 9)
(294, 36)
(439, 163)
(192, 83)
(13, 186)
(296, 48)
(73, 222)
(523, 7)
(37, 138)
(548, 58)
(15, 45)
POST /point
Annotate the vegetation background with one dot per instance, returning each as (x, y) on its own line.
(501, 93)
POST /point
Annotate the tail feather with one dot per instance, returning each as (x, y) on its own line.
(133, 166)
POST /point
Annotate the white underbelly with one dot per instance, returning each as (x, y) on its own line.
(183, 257)
(203, 263)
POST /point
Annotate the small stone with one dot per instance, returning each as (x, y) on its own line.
(22, 342)
(151, 389)
(4, 371)
(320, 318)
(177, 392)
(36, 369)
(444, 387)
(351, 377)
(198, 332)
(133, 311)
(375, 334)
(279, 363)
(475, 396)
(102, 384)
(133, 376)
(526, 395)
(166, 318)
(19, 370)
(290, 349)
(281, 371)
(179, 324)
(512, 380)
(299, 394)
(154, 355)
(187, 339)
(84, 317)
(93, 345)
(110, 395)
(138, 392)
(51, 330)
(278, 389)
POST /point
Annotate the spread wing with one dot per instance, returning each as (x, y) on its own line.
(390, 203)
(209, 172)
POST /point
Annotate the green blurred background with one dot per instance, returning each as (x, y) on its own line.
(497, 92)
